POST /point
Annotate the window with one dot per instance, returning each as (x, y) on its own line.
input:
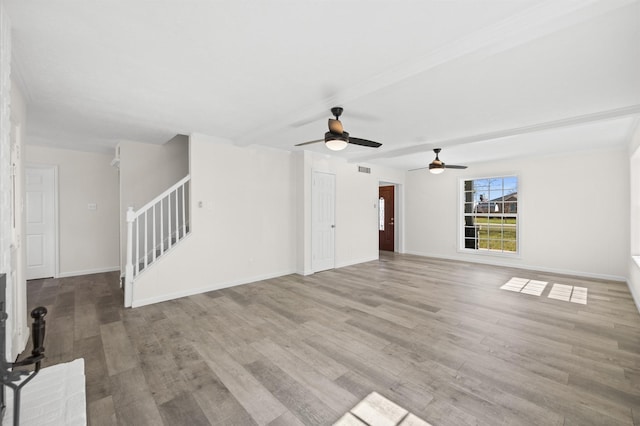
(490, 214)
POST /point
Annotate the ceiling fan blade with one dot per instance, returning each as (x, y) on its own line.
(364, 142)
(363, 116)
(335, 126)
(308, 120)
(419, 168)
(310, 142)
(449, 166)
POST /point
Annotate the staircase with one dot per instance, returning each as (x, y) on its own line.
(154, 230)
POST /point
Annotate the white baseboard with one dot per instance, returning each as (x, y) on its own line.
(200, 290)
(496, 262)
(87, 272)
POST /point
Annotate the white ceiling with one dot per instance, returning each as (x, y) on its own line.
(487, 79)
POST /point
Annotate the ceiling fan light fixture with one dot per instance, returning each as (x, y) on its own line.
(436, 168)
(336, 142)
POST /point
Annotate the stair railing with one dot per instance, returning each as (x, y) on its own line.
(153, 230)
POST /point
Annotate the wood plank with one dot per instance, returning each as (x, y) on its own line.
(250, 393)
(102, 412)
(183, 410)
(301, 402)
(118, 349)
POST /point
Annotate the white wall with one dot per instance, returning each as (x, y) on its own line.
(356, 206)
(633, 277)
(254, 222)
(244, 231)
(574, 213)
(88, 239)
(147, 170)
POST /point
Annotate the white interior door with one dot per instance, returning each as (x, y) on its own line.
(40, 222)
(323, 224)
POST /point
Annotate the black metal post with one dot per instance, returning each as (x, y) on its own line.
(8, 372)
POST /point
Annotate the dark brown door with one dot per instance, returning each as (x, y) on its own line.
(386, 222)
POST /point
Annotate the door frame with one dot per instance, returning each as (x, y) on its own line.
(56, 222)
(398, 214)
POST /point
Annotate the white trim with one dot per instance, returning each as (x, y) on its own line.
(212, 287)
(489, 252)
(304, 273)
(88, 272)
(527, 267)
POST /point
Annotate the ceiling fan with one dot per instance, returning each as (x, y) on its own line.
(337, 139)
(437, 166)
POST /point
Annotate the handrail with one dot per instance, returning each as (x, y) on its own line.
(161, 196)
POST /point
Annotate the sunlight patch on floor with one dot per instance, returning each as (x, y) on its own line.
(563, 292)
(526, 286)
(376, 410)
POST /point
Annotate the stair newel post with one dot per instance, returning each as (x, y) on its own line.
(128, 281)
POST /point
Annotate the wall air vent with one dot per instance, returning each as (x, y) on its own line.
(363, 169)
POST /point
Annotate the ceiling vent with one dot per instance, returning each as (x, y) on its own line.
(363, 169)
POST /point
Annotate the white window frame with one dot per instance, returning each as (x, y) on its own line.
(461, 221)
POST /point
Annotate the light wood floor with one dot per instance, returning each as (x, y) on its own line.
(437, 337)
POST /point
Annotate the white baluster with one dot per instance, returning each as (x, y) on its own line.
(177, 217)
(161, 227)
(169, 219)
(137, 258)
(146, 238)
(153, 229)
(128, 271)
(184, 217)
